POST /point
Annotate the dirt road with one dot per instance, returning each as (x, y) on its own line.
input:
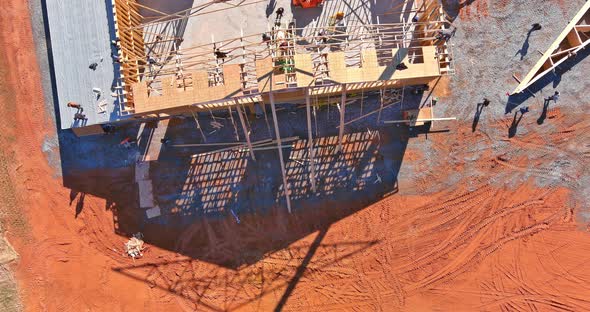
(500, 228)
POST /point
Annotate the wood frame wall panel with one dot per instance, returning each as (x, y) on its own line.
(303, 69)
(131, 45)
(370, 77)
(294, 95)
(265, 71)
(172, 96)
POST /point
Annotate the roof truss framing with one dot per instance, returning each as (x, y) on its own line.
(575, 37)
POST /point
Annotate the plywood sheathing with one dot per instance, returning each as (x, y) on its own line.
(173, 96)
(370, 76)
(371, 71)
(303, 69)
(267, 75)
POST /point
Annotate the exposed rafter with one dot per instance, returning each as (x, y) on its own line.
(575, 37)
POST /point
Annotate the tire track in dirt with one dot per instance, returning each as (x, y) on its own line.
(529, 299)
(551, 148)
(461, 202)
(530, 296)
(465, 234)
(467, 259)
(521, 278)
(542, 173)
(561, 272)
(523, 289)
(428, 218)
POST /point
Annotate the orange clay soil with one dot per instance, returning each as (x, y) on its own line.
(477, 245)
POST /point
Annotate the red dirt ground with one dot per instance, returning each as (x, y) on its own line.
(484, 247)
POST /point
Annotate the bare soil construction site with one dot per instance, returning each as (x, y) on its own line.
(457, 183)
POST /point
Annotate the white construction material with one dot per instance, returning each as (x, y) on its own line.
(146, 195)
(142, 171)
(153, 212)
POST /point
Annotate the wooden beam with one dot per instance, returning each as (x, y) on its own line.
(280, 148)
(310, 140)
(342, 112)
(231, 116)
(380, 105)
(199, 126)
(263, 142)
(419, 120)
(245, 129)
(209, 144)
(368, 114)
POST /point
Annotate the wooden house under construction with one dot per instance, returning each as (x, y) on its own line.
(143, 73)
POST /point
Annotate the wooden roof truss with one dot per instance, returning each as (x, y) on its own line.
(575, 37)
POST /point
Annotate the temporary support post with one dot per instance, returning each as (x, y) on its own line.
(403, 93)
(245, 129)
(431, 113)
(380, 105)
(231, 116)
(419, 120)
(199, 126)
(211, 113)
(310, 139)
(342, 112)
(266, 118)
(315, 114)
(280, 148)
(362, 100)
(328, 114)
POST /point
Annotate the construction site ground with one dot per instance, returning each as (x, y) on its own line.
(487, 213)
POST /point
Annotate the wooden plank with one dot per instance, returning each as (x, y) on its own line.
(310, 140)
(155, 145)
(245, 129)
(280, 149)
(369, 58)
(304, 69)
(146, 195)
(88, 130)
(142, 171)
(342, 113)
(419, 120)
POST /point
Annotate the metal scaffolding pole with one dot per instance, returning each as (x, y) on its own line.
(245, 129)
(310, 140)
(342, 111)
(280, 148)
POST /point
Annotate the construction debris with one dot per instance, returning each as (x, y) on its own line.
(134, 246)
